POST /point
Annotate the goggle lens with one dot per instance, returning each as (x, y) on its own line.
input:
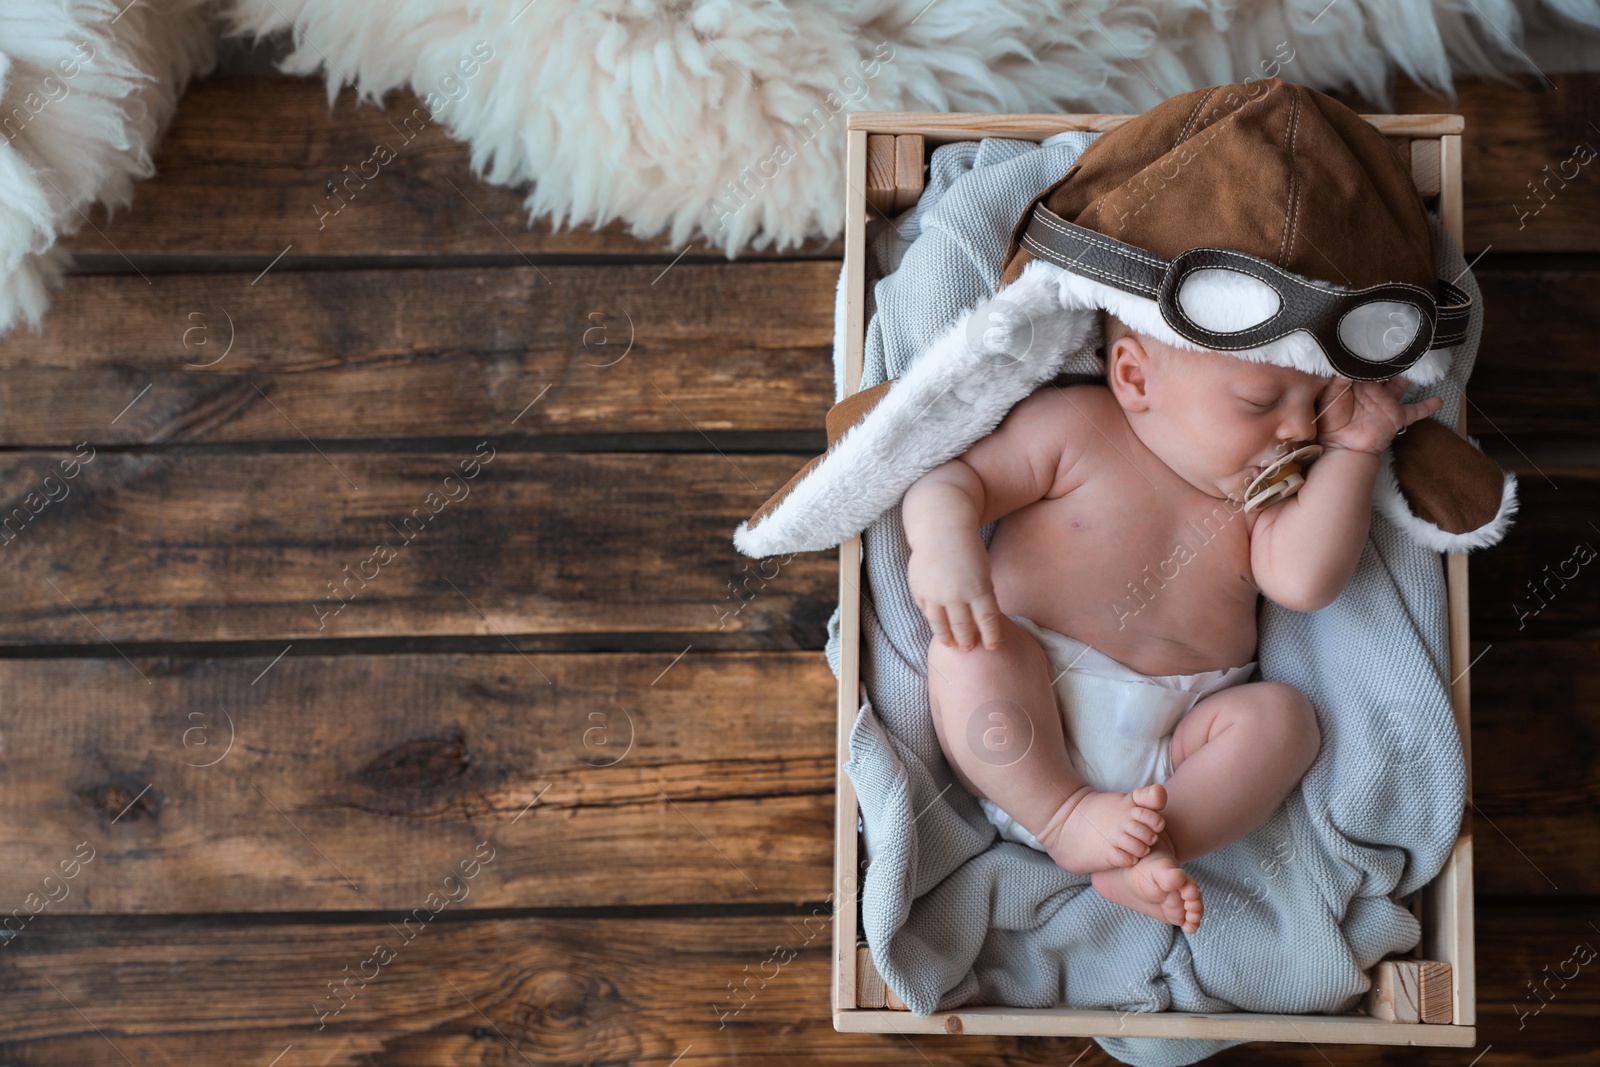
(1381, 330)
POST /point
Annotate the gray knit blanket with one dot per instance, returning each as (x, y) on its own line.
(1296, 911)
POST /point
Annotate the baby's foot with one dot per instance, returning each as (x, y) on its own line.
(1155, 886)
(1102, 831)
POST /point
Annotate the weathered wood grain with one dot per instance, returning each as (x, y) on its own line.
(366, 354)
(1536, 766)
(608, 990)
(393, 766)
(425, 353)
(228, 159)
(245, 170)
(1541, 580)
(1538, 368)
(191, 546)
(204, 547)
(360, 782)
(1511, 135)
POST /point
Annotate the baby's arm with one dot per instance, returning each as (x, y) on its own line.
(1304, 550)
(1028, 456)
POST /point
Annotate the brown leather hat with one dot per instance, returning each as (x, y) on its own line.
(1263, 219)
(1231, 205)
(1271, 168)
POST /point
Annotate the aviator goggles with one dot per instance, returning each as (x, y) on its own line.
(1368, 335)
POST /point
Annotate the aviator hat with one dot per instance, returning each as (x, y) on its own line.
(1263, 219)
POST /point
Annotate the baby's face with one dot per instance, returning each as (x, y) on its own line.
(1217, 419)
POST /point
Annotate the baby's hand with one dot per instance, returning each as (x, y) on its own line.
(1365, 416)
(952, 586)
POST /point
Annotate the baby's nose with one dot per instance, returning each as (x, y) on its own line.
(1298, 426)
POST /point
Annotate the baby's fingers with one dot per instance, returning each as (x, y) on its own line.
(936, 619)
(986, 611)
(962, 626)
(1421, 409)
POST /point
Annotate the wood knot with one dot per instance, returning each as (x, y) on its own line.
(421, 763)
(415, 776)
(121, 804)
(577, 1017)
(953, 1025)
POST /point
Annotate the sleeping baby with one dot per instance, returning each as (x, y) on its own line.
(1089, 672)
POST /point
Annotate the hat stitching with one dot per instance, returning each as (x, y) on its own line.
(1117, 281)
(1088, 268)
(1091, 237)
(1183, 133)
(1291, 220)
(1290, 275)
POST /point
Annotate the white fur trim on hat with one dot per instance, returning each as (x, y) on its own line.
(1226, 300)
(953, 395)
(1388, 499)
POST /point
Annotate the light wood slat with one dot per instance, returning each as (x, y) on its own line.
(1452, 199)
(1409, 991)
(444, 352)
(205, 547)
(244, 168)
(849, 692)
(880, 191)
(944, 127)
(1402, 148)
(654, 991)
(1424, 156)
(359, 782)
(909, 179)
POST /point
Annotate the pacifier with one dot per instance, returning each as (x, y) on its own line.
(1280, 479)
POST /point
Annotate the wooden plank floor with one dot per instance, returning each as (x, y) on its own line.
(374, 583)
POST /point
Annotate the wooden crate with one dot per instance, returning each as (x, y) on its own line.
(884, 172)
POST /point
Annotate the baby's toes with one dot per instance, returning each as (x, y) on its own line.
(1134, 845)
(1152, 821)
(1170, 878)
(1193, 912)
(1122, 851)
(1153, 797)
(1140, 833)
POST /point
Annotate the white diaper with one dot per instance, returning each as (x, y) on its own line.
(1118, 722)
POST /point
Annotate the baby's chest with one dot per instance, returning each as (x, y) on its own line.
(1105, 541)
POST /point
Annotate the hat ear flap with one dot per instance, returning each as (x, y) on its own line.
(841, 417)
(883, 439)
(1438, 487)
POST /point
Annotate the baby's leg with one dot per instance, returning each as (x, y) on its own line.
(1235, 757)
(996, 716)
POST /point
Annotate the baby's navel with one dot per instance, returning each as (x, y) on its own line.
(1076, 524)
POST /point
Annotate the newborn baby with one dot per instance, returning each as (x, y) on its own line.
(1122, 525)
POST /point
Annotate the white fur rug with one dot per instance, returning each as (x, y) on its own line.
(715, 121)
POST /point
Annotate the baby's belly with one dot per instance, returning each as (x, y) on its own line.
(1161, 596)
